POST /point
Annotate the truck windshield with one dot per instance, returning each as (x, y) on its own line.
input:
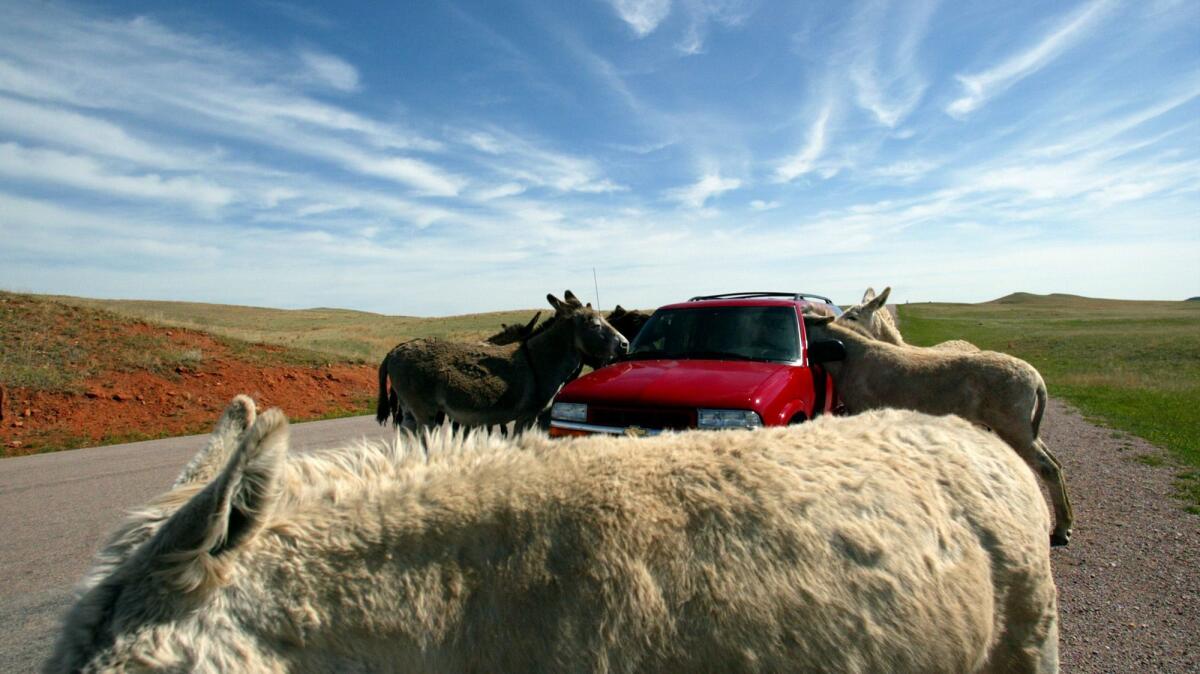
(720, 333)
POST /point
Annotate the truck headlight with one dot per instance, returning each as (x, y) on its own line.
(569, 411)
(727, 419)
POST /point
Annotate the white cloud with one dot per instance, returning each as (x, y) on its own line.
(499, 191)
(702, 13)
(886, 78)
(526, 163)
(907, 170)
(50, 166)
(760, 205)
(56, 126)
(643, 16)
(1099, 133)
(17, 81)
(329, 70)
(277, 195)
(142, 69)
(805, 160)
(979, 87)
(425, 177)
(697, 194)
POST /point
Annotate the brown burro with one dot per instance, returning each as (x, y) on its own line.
(890, 541)
(483, 385)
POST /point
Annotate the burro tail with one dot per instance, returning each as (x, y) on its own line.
(383, 408)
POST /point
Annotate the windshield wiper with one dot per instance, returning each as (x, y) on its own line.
(647, 354)
(716, 355)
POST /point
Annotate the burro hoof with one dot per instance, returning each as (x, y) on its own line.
(1058, 540)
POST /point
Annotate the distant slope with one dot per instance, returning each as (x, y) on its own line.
(77, 375)
(1061, 300)
(343, 332)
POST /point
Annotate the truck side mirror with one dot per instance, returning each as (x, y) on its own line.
(826, 351)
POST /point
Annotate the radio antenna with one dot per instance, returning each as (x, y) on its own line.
(597, 284)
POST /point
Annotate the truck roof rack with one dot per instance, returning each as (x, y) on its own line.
(747, 295)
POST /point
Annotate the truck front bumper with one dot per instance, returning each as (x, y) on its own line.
(559, 429)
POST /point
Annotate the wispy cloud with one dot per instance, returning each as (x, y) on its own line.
(979, 87)
(142, 68)
(805, 160)
(643, 16)
(56, 126)
(701, 14)
(1111, 126)
(697, 194)
(529, 164)
(1088, 176)
(499, 191)
(330, 70)
(906, 170)
(886, 77)
(20, 163)
(760, 205)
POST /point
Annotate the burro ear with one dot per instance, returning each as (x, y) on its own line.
(814, 319)
(868, 295)
(879, 301)
(617, 313)
(238, 416)
(532, 322)
(559, 305)
(194, 550)
(572, 299)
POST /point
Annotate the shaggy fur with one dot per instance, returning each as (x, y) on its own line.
(887, 542)
(628, 323)
(996, 390)
(511, 334)
(481, 385)
(871, 318)
(203, 467)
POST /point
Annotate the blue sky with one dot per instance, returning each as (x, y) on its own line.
(439, 158)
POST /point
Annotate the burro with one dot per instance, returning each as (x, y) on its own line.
(885, 542)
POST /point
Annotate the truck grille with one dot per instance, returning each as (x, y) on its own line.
(669, 418)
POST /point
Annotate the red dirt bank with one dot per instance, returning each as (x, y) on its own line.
(118, 406)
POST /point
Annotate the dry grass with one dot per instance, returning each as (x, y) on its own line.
(49, 345)
(356, 335)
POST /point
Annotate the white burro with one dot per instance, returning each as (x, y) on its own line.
(890, 541)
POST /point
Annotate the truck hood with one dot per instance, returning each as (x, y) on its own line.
(675, 383)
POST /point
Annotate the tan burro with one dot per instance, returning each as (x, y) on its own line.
(992, 389)
(887, 542)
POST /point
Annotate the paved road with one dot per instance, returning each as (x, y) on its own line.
(56, 509)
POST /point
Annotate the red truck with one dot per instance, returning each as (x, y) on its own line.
(737, 360)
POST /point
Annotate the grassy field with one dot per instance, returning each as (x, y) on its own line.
(1135, 366)
(357, 335)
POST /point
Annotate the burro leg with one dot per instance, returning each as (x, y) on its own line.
(1051, 472)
